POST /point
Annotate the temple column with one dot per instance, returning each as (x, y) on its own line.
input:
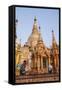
(56, 61)
(32, 63)
(38, 64)
(55, 64)
(17, 62)
(49, 61)
(35, 62)
(41, 63)
(17, 59)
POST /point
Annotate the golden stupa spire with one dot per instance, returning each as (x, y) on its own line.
(40, 36)
(35, 20)
(53, 39)
(33, 38)
(35, 28)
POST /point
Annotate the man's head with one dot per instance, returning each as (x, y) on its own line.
(24, 62)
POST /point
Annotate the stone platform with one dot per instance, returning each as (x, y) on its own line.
(37, 78)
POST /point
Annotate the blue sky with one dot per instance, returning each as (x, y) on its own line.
(47, 19)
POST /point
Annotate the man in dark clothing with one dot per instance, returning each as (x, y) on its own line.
(22, 68)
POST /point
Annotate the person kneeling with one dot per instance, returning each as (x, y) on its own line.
(22, 68)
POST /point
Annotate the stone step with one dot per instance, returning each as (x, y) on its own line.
(36, 76)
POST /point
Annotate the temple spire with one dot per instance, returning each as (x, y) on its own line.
(35, 28)
(34, 37)
(35, 20)
(40, 36)
(53, 39)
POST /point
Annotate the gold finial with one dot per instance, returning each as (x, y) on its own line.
(53, 39)
(53, 35)
(35, 19)
(40, 36)
(35, 24)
